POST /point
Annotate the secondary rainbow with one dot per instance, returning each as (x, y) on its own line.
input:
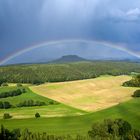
(50, 43)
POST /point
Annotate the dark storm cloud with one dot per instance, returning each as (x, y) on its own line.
(30, 21)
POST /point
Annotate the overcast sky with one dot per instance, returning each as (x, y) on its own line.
(27, 22)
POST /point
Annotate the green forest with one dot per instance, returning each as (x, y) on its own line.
(134, 82)
(40, 73)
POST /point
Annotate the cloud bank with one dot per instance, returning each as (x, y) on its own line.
(23, 23)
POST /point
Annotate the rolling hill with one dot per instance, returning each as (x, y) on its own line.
(68, 59)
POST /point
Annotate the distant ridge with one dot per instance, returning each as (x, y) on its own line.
(68, 59)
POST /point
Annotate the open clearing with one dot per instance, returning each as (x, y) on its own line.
(88, 95)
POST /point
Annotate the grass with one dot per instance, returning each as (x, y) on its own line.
(79, 124)
(61, 119)
(4, 89)
(28, 112)
(25, 96)
(88, 95)
(45, 111)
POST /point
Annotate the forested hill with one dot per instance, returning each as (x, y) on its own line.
(38, 73)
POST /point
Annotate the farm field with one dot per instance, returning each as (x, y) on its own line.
(88, 95)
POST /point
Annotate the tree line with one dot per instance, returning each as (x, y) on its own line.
(12, 93)
(136, 93)
(5, 105)
(117, 129)
(134, 82)
(30, 103)
(40, 73)
(26, 103)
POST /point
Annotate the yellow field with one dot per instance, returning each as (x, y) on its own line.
(88, 95)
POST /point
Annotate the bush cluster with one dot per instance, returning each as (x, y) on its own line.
(113, 130)
(12, 93)
(7, 116)
(19, 85)
(2, 81)
(6, 134)
(29, 103)
(135, 82)
(136, 93)
(4, 84)
(26, 103)
(5, 105)
(37, 115)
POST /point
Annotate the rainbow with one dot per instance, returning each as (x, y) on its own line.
(50, 43)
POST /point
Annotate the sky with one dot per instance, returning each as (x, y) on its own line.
(29, 22)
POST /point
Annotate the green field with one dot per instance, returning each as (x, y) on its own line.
(9, 88)
(28, 112)
(25, 96)
(63, 119)
(79, 124)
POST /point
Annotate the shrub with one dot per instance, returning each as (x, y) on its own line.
(37, 115)
(5, 105)
(23, 90)
(28, 103)
(2, 81)
(136, 93)
(19, 85)
(7, 116)
(4, 84)
(12, 93)
(6, 134)
(135, 82)
(109, 128)
(51, 102)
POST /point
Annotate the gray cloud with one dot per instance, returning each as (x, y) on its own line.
(28, 22)
(131, 15)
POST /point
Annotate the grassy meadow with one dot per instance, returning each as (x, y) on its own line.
(78, 124)
(71, 115)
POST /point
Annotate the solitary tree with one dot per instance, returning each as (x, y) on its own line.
(19, 85)
(7, 116)
(37, 115)
(136, 93)
(4, 84)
